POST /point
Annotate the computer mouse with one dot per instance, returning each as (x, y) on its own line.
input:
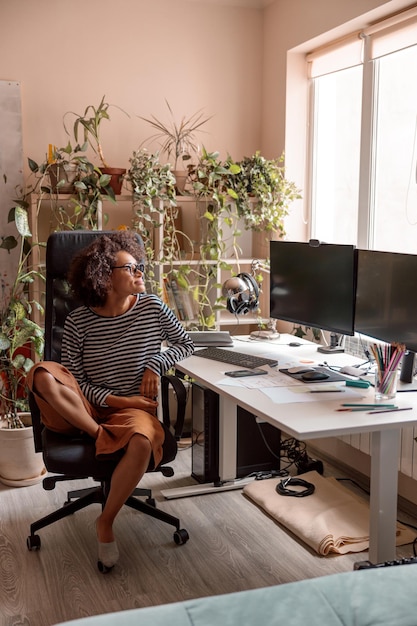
(294, 344)
(314, 375)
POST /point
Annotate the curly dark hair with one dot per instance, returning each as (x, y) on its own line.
(90, 269)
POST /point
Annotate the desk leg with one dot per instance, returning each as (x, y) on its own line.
(383, 497)
(227, 438)
(227, 457)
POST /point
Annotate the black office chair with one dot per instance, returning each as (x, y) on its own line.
(74, 457)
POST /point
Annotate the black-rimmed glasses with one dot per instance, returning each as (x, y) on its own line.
(131, 267)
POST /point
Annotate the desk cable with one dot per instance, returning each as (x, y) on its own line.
(282, 487)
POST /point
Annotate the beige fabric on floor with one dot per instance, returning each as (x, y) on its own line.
(331, 520)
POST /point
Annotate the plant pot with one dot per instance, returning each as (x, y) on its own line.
(181, 179)
(117, 177)
(261, 240)
(66, 172)
(20, 465)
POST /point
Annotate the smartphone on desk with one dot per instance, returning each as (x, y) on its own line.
(241, 373)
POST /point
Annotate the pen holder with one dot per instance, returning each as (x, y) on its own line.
(385, 384)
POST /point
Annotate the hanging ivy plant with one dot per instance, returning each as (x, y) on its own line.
(262, 193)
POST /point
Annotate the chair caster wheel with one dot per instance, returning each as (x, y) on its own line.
(33, 542)
(181, 536)
(103, 568)
(151, 502)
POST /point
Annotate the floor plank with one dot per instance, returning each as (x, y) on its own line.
(233, 546)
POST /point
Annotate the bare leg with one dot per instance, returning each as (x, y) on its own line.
(65, 401)
(126, 476)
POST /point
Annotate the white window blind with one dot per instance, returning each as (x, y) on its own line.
(337, 56)
(390, 35)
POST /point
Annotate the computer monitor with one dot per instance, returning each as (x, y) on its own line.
(386, 300)
(314, 284)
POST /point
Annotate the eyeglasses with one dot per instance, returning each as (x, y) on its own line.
(131, 267)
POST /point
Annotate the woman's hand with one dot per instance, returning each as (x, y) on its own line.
(145, 401)
(140, 402)
(136, 402)
(149, 385)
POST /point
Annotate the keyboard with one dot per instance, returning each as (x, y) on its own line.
(234, 358)
(367, 564)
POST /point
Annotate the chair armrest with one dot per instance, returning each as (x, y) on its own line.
(181, 395)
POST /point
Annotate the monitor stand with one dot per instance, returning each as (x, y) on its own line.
(334, 347)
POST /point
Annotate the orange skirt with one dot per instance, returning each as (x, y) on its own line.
(118, 425)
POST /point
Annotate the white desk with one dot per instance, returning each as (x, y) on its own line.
(314, 420)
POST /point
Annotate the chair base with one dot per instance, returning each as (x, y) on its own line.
(80, 499)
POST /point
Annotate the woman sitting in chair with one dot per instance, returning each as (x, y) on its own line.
(111, 365)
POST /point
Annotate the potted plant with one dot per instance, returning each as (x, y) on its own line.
(219, 233)
(262, 193)
(178, 140)
(63, 168)
(89, 124)
(150, 179)
(154, 203)
(19, 336)
(87, 188)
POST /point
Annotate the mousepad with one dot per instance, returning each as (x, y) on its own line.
(332, 376)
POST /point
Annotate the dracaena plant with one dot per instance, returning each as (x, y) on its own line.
(20, 336)
(178, 139)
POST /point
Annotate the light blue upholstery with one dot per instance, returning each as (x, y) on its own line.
(373, 597)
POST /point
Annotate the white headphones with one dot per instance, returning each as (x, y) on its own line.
(242, 293)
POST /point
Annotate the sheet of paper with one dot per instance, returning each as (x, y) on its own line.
(286, 360)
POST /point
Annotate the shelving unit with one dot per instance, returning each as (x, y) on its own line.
(45, 218)
(190, 259)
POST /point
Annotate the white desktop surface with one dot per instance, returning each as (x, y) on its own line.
(314, 419)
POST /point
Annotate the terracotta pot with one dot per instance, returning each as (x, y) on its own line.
(181, 179)
(20, 465)
(117, 174)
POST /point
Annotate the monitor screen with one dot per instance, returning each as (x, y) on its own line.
(313, 284)
(386, 306)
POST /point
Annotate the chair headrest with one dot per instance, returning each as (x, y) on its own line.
(62, 246)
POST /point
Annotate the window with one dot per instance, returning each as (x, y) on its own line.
(336, 147)
(395, 182)
(364, 138)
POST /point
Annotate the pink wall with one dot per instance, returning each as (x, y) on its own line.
(137, 53)
(227, 59)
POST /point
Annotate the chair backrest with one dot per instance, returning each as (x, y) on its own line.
(59, 300)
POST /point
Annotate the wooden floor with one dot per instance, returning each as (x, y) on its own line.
(233, 546)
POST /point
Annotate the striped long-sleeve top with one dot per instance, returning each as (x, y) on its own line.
(108, 355)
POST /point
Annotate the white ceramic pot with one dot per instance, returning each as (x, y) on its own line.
(66, 172)
(20, 465)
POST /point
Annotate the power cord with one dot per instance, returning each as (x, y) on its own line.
(282, 487)
(296, 454)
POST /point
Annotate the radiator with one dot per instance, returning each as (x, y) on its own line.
(408, 449)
